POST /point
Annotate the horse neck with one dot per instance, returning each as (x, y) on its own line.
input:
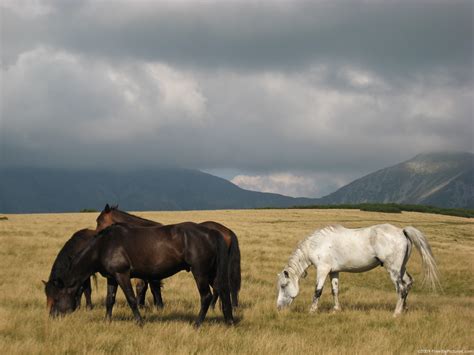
(83, 265)
(298, 262)
(123, 217)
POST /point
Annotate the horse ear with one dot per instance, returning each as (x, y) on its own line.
(286, 274)
(107, 208)
(115, 207)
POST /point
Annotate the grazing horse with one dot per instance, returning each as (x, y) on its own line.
(62, 263)
(337, 249)
(110, 215)
(121, 252)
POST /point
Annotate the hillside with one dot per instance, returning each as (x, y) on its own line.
(30, 190)
(439, 179)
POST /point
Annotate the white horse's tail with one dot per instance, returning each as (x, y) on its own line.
(430, 269)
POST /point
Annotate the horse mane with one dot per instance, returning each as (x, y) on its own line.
(90, 244)
(68, 252)
(131, 216)
(298, 261)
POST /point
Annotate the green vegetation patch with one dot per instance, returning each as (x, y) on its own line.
(391, 208)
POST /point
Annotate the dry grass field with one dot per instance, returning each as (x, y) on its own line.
(443, 321)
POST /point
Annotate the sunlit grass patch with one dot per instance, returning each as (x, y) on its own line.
(29, 244)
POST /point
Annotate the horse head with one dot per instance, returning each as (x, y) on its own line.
(105, 218)
(288, 289)
(59, 298)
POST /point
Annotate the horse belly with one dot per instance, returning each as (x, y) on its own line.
(360, 267)
(354, 257)
(157, 265)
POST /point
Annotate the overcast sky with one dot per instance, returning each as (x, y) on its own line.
(285, 96)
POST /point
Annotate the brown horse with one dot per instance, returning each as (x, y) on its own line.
(62, 263)
(121, 252)
(110, 215)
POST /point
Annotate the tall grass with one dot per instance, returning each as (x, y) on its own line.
(29, 244)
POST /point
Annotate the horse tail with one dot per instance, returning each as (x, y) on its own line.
(430, 269)
(234, 269)
(222, 275)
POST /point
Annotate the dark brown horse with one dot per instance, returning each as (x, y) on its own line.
(111, 215)
(72, 248)
(121, 252)
(62, 263)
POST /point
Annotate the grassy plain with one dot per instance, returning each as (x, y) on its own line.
(29, 244)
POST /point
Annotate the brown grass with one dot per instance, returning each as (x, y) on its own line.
(29, 244)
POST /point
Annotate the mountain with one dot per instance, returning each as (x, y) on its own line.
(438, 179)
(29, 190)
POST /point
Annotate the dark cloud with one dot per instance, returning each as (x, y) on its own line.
(282, 92)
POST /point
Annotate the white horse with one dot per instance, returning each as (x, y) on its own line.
(337, 249)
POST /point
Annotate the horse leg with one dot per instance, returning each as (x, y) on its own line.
(156, 291)
(141, 287)
(408, 280)
(320, 278)
(88, 292)
(401, 288)
(110, 299)
(397, 271)
(334, 276)
(125, 284)
(202, 283)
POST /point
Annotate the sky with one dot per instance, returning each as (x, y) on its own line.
(294, 97)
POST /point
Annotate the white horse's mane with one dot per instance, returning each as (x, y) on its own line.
(298, 261)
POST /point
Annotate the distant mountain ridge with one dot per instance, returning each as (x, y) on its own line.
(443, 179)
(438, 179)
(31, 190)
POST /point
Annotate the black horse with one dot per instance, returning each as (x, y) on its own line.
(62, 263)
(121, 252)
(110, 215)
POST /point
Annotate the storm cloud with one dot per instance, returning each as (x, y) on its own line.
(295, 97)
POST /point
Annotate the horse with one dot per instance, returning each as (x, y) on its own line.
(62, 263)
(121, 252)
(70, 249)
(336, 249)
(110, 215)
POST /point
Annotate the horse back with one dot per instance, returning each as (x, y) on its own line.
(226, 232)
(155, 252)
